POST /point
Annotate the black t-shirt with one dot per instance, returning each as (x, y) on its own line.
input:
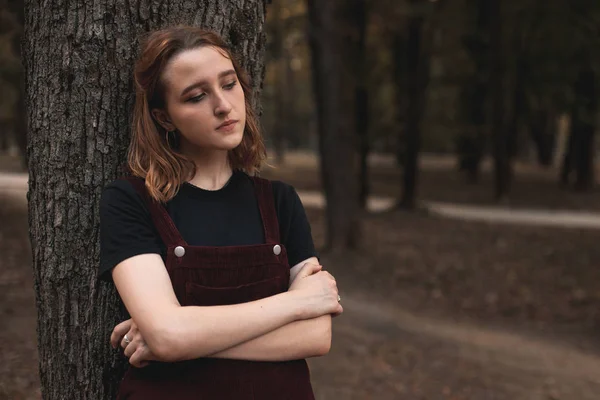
(226, 217)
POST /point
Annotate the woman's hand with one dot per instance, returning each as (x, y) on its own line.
(297, 268)
(136, 350)
(317, 290)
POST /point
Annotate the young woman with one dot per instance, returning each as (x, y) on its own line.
(199, 249)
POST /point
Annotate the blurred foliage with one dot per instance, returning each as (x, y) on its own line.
(549, 40)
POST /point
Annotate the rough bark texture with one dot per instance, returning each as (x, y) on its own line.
(333, 42)
(78, 60)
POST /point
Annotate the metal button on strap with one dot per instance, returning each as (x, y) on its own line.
(179, 251)
(277, 249)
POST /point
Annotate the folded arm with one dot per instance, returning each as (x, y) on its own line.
(175, 333)
(296, 340)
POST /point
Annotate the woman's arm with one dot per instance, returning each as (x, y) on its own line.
(175, 333)
(299, 339)
(294, 341)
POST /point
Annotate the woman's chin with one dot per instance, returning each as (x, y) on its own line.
(232, 141)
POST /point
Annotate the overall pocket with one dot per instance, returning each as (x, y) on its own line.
(200, 295)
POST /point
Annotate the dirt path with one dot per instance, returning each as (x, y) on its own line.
(15, 184)
(383, 352)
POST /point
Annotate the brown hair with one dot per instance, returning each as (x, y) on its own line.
(150, 154)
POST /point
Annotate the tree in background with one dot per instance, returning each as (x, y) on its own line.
(420, 27)
(584, 115)
(13, 118)
(78, 60)
(498, 89)
(474, 91)
(362, 100)
(334, 45)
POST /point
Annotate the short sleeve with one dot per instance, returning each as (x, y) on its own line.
(294, 228)
(126, 227)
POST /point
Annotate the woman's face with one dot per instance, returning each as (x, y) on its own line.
(204, 100)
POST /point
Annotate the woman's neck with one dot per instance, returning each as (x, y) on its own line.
(212, 169)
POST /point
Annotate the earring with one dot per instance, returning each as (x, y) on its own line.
(167, 138)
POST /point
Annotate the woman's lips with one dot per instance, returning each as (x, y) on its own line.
(227, 125)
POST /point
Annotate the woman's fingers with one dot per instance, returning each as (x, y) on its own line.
(338, 313)
(130, 339)
(131, 348)
(118, 331)
(139, 358)
(309, 268)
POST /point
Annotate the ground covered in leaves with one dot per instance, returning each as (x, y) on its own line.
(434, 308)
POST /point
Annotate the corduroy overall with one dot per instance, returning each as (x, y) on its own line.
(210, 276)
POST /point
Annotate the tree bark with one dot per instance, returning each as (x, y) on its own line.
(333, 45)
(78, 60)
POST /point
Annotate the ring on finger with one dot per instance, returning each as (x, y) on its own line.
(127, 340)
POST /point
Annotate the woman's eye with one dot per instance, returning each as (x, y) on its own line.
(196, 99)
(230, 86)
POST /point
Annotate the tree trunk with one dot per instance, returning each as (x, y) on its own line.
(542, 128)
(585, 121)
(471, 144)
(20, 115)
(498, 93)
(399, 51)
(4, 135)
(417, 57)
(585, 158)
(78, 61)
(333, 45)
(579, 156)
(566, 168)
(518, 103)
(362, 101)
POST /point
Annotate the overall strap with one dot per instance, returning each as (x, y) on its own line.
(266, 204)
(161, 218)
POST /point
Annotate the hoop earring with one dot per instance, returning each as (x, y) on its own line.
(167, 138)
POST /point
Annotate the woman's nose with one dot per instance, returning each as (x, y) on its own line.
(222, 105)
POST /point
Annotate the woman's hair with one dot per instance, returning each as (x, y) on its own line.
(151, 156)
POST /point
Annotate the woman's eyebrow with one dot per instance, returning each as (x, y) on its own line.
(200, 83)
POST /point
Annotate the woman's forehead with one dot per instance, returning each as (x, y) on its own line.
(203, 63)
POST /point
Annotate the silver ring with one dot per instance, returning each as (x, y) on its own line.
(339, 298)
(127, 341)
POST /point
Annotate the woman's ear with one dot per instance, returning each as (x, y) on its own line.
(163, 119)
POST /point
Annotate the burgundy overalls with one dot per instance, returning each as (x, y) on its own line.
(209, 276)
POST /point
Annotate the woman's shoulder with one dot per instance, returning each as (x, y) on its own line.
(119, 192)
(283, 189)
